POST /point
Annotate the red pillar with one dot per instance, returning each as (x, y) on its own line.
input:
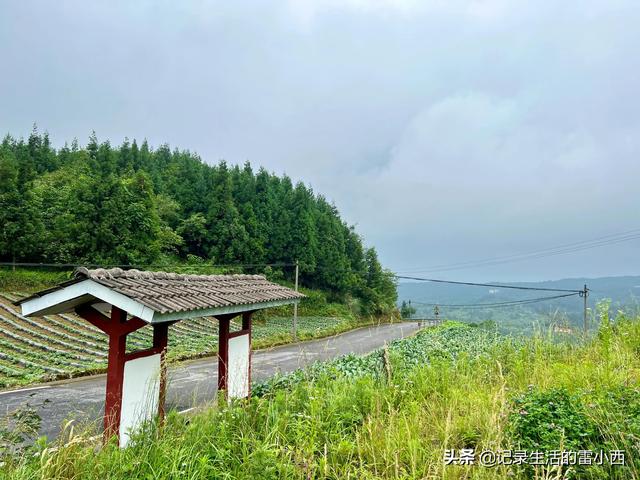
(115, 373)
(117, 328)
(223, 351)
(160, 339)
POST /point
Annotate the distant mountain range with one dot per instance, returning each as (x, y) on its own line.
(624, 293)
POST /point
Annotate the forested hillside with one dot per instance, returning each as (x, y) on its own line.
(135, 205)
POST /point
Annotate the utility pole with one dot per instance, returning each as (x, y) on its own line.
(584, 294)
(295, 309)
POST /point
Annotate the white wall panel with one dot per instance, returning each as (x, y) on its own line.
(140, 394)
(238, 367)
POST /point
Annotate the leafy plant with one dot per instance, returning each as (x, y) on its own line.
(550, 420)
(17, 428)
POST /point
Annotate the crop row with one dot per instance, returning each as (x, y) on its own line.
(41, 359)
(54, 346)
(48, 328)
(10, 326)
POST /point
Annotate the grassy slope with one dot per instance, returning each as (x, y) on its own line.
(28, 280)
(452, 387)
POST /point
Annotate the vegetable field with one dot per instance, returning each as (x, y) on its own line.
(447, 343)
(62, 346)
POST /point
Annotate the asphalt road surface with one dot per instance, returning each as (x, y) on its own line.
(190, 384)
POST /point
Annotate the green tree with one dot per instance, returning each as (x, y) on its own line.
(194, 233)
(379, 294)
(21, 225)
(228, 239)
(68, 200)
(302, 242)
(407, 310)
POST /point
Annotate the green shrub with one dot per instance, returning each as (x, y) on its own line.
(551, 420)
(603, 420)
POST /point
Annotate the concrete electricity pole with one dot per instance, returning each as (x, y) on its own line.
(295, 308)
(584, 294)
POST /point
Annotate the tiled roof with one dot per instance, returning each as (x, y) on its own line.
(171, 292)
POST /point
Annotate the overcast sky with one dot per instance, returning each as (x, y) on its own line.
(447, 131)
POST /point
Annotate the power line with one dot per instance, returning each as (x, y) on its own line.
(600, 241)
(547, 252)
(498, 304)
(489, 263)
(494, 285)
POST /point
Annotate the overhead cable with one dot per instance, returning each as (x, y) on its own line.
(497, 304)
(494, 285)
(548, 252)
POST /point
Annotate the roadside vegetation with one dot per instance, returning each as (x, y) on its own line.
(393, 413)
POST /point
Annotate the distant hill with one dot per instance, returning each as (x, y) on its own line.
(624, 293)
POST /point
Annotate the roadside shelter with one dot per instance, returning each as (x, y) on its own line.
(119, 302)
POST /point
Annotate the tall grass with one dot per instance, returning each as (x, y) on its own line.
(362, 425)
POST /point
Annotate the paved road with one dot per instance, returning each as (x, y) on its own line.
(192, 383)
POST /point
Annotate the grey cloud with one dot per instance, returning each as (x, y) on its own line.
(448, 131)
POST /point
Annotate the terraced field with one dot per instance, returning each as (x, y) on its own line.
(62, 346)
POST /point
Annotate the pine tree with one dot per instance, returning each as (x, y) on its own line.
(19, 212)
(228, 239)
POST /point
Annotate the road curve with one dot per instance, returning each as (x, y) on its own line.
(190, 383)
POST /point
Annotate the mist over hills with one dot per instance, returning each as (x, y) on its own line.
(623, 291)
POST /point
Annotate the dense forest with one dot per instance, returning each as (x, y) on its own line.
(134, 205)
